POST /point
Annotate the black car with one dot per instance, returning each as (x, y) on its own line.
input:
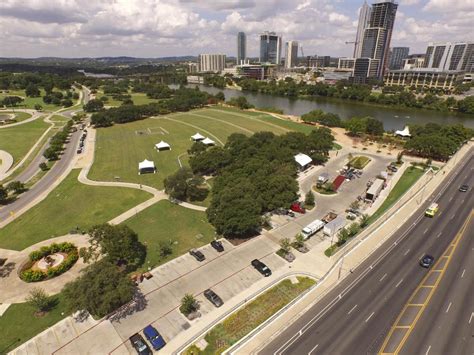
(217, 245)
(464, 188)
(261, 267)
(79, 151)
(139, 344)
(213, 298)
(426, 261)
(197, 255)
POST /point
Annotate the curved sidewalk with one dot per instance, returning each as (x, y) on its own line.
(34, 115)
(6, 162)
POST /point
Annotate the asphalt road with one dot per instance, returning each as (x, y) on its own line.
(56, 171)
(356, 316)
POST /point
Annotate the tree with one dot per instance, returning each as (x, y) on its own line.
(355, 205)
(51, 154)
(299, 241)
(100, 289)
(11, 101)
(94, 105)
(285, 245)
(16, 186)
(241, 102)
(39, 299)
(343, 236)
(188, 304)
(38, 107)
(32, 90)
(400, 157)
(117, 244)
(364, 220)
(176, 185)
(43, 166)
(165, 249)
(220, 96)
(309, 199)
(3, 194)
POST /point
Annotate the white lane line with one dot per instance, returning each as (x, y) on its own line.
(462, 275)
(452, 217)
(369, 317)
(352, 309)
(428, 351)
(451, 199)
(421, 255)
(384, 276)
(426, 230)
(313, 349)
(470, 318)
(407, 252)
(439, 235)
(449, 306)
(462, 201)
(399, 282)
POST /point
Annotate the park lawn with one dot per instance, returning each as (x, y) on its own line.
(19, 324)
(70, 205)
(359, 162)
(18, 140)
(19, 116)
(165, 222)
(406, 181)
(246, 319)
(30, 102)
(59, 118)
(138, 98)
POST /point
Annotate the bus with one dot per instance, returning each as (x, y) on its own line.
(431, 211)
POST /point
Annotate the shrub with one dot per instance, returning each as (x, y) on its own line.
(188, 304)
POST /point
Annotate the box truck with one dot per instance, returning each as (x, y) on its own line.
(312, 228)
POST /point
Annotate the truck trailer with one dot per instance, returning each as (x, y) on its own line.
(312, 228)
(333, 227)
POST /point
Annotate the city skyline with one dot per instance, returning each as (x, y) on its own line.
(159, 28)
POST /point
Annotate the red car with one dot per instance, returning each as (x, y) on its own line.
(297, 207)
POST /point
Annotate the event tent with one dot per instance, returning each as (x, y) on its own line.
(162, 146)
(303, 160)
(146, 166)
(208, 141)
(404, 133)
(197, 137)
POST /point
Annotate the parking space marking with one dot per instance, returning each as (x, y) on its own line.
(462, 275)
(428, 350)
(313, 349)
(399, 282)
(470, 318)
(407, 252)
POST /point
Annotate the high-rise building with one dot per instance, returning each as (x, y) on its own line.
(346, 63)
(450, 56)
(270, 48)
(397, 54)
(364, 16)
(414, 61)
(241, 48)
(211, 62)
(376, 39)
(291, 54)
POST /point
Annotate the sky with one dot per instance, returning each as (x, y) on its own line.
(160, 28)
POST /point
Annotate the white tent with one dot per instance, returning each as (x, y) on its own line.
(404, 133)
(208, 141)
(197, 137)
(146, 166)
(303, 160)
(162, 146)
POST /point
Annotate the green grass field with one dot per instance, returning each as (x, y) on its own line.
(120, 148)
(188, 229)
(359, 162)
(137, 98)
(30, 102)
(19, 324)
(406, 181)
(19, 116)
(68, 206)
(18, 140)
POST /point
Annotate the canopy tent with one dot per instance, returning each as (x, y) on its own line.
(208, 141)
(404, 133)
(197, 137)
(162, 146)
(146, 166)
(303, 160)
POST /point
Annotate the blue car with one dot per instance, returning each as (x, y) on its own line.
(152, 335)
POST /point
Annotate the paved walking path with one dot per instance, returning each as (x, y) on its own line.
(6, 161)
(34, 115)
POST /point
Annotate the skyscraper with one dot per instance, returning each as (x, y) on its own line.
(241, 47)
(364, 16)
(270, 48)
(376, 39)
(291, 54)
(211, 62)
(397, 54)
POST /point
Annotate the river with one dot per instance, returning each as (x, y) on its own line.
(392, 118)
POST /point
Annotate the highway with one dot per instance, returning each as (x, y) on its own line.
(356, 316)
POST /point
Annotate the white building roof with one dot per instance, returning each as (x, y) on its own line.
(197, 137)
(208, 141)
(162, 145)
(146, 164)
(302, 159)
(403, 133)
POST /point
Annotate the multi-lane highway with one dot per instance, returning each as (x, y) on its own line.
(357, 316)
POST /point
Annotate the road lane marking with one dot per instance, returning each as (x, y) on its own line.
(449, 306)
(371, 314)
(422, 255)
(470, 318)
(399, 282)
(439, 235)
(407, 252)
(428, 351)
(352, 309)
(426, 230)
(451, 198)
(313, 349)
(452, 217)
(462, 275)
(384, 276)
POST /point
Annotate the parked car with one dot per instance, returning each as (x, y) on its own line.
(280, 211)
(351, 216)
(464, 188)
(261, 267)
(79, 151)
(199, 256)
(426, 260)
(216, 244)
(213, 298)
(297, 207)
(392, 168)
(290, 213)
(139, 344)
(155, 338)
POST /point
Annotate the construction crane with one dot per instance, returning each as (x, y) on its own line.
(302, 53)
